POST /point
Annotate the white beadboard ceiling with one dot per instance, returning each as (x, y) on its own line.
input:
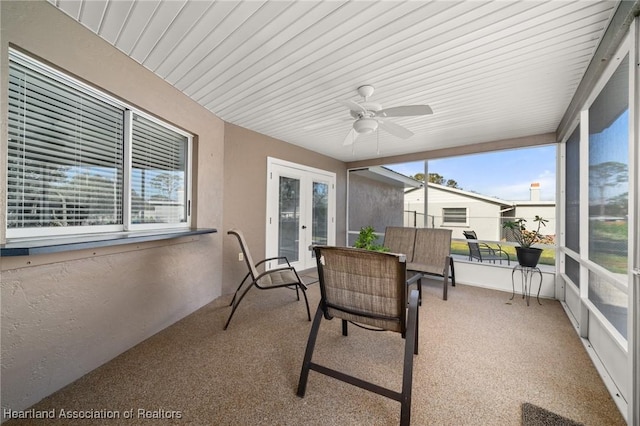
(490, 70)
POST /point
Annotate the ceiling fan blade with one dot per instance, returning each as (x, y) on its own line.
(405, 111)
(353, 106)
(351, 137)
(395, 129)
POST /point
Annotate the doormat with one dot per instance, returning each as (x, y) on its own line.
(532, 415)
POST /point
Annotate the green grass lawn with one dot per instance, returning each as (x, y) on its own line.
(548, 256)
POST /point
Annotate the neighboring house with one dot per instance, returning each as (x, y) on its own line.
(461, 210)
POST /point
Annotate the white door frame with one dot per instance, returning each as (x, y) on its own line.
(307, 175)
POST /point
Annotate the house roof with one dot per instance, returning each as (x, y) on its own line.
(489, 70)
(468, 194)
(388, 176)
(492, 200)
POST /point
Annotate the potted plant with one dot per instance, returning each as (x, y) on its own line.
(367, 240)
(527, 255)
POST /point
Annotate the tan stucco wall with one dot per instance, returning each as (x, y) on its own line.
(245, 192)
(373, 203)
(65, 314)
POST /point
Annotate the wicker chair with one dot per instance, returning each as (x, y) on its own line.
(483, 252)
(284, 276)
(368, 289)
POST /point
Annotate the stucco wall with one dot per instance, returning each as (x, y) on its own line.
(65, 314)
(245, 193)
(374, 203)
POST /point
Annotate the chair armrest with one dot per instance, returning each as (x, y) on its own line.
(486, 248)
(273, 258)
(494, 251)
(502, 251)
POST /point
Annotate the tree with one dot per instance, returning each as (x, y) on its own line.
(452, 183)
(166, 184)
(419, 176)
(437, 179)
(605, 175)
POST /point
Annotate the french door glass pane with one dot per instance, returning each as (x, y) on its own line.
(320, 213)
(289, 218)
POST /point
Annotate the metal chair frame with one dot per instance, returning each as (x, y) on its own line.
(406, 323)
(482, 251)
(281, 277)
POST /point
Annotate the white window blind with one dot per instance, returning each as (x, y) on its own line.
(158, 173)
(80, 161)
(454, 215)
(65, 154)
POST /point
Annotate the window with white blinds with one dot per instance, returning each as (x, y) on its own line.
(455, 215)
(158, 164)
(70, 156)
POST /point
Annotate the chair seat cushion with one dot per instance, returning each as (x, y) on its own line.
(278, 278)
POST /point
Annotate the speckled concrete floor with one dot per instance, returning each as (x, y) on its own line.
(481, 357)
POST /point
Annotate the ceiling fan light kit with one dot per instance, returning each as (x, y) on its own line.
(365, 125)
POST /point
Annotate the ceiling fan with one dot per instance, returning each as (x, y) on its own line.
(370, 115)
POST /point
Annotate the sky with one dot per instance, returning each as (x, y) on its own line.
(505, 174)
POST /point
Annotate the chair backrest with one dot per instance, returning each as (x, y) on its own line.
(245, 252)
(366, 287)
(400, 240)
(470, 235)
(432, 246)
(474, 247)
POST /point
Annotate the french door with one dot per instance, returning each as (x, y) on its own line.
(300, 211)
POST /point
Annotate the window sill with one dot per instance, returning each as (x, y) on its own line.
(56, 245)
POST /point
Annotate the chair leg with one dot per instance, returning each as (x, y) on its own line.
(238, 289)
(297, 292)
(233, 310)
(409, 350)
(306, 301)
(417, 333)
(445, 285)
(453, 272)
(311, 343)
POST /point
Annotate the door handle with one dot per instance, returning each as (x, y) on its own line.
(304, 227)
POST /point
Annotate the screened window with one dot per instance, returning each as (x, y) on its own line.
(572, 213)
(608, 181)
(609, 173)
(454, 215)
(73, 167)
